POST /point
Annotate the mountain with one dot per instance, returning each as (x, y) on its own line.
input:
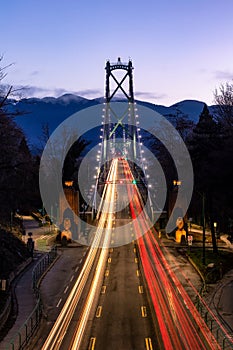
(34, 113)
(190, 109)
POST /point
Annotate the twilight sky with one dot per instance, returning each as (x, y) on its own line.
(181, 49)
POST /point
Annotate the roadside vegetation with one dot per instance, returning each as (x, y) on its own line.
(216, 265)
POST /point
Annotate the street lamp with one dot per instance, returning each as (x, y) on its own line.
(190, 225)
(172, 195)
(176, 182)
(215, 231)
(69, 183)
(202, 195)
(203, 223)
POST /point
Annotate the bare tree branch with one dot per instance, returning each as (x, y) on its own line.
(224, 104)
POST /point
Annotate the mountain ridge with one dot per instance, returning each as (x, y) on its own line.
(35, 112)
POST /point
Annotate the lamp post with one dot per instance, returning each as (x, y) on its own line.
(202, 195)
(190, 225)
(203, 226)
(215, 229)
(176, 182)
(175, 188)
(11, 220)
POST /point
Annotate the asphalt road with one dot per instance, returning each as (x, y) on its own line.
(122, 318)
(115, 310)
(55, 287)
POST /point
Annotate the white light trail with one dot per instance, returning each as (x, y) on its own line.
(62, 323)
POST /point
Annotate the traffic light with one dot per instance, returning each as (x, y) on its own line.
(134, 182)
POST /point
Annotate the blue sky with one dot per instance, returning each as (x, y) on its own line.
(180, 49)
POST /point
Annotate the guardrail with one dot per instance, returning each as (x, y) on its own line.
(224, 337)
(25, 333)
(42, 266)
(6, 311)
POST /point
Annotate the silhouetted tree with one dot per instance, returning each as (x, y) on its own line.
(224, 106)
(71, 164)
(204, 145)
(224, 115)
(15, 159)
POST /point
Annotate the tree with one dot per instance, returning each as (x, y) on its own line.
(183, 124)
(15, 165)
(71, 164)
(204, 145)
(15, 158)
(5, 90)
(59, 164)
(224, 106)
(224, 115)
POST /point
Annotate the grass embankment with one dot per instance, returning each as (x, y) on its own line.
(222, 263)
(44, 243)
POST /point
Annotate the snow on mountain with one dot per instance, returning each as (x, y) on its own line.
(190, 108)
(51, 111)
(70, 98)
(49, 99)
(35, 113)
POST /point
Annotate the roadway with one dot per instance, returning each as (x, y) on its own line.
(180, 325)
(127, 297)
(121, 318)
(92, 272)
(126, 318)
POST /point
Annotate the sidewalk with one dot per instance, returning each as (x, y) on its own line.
(220, 294)
(220, 299)
(26, 299)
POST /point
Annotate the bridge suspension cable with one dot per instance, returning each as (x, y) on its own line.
(120, 131)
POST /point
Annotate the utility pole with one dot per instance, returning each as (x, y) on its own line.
(203, 223)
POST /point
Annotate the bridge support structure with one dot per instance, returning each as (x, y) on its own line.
(127, 130)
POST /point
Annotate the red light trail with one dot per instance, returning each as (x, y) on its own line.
(181, 326)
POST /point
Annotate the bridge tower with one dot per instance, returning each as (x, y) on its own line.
(128, 129)
(129, 73)
(120, 131)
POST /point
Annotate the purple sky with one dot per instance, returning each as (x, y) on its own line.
(180, 49)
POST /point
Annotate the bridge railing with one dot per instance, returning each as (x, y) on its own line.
(24, 334)
(42, 266)
(26, 331)
(222, 334)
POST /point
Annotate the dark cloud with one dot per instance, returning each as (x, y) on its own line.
(60, 91)
(150, 95)
(34, 90)
(223, 75)
(37, 91)
(90, 92)
(35, 72)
